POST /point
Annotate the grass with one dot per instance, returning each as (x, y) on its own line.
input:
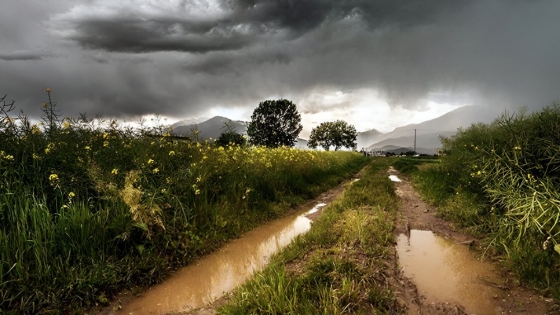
(501, 181)
(89, 207)
(337, 267)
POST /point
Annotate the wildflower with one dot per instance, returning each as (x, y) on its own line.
(66, 124)
(517, 148)
(163, 191)
(167, 134)
(47, 150)
(9, 157)
(105, 135)
(198, 179)
(478, 173)
(44, 105)
(171, 153)
(88, 147)
(150, 162)
(71, 195)
(64, 207)
(197, 191)
(152, 143)
(48, 90)
(105, 143)
(155, 170)
(115, 171)
(35, 156)
(168, 180)
(53, 177)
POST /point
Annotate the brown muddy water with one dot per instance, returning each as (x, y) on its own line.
(445, 271)
(212, 276)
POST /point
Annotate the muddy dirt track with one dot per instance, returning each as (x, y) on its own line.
(420, 284)
(506, 296)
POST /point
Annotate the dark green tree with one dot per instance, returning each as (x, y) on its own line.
(335, 134)
(230, 136)
(275, 124)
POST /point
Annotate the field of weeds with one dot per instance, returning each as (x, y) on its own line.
(88, 207)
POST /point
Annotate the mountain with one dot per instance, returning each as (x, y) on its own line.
(211, 128)
(214, 127)
(365, 138)
(428, 132)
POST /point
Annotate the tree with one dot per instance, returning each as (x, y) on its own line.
(274, 124)
(230, 136)
(328, 134)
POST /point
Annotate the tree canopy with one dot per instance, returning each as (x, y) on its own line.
(335, 134)
(275, 123)
(230, 136)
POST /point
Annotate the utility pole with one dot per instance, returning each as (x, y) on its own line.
(414, 141)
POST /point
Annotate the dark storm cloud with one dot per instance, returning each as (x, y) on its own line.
(127, 58)
(242, 23)
(26, 55)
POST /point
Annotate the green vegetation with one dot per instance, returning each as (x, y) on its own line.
(88, 207)
(337, 267)
(274, 124)
(502, 180)
(336, 134)
(230, 136)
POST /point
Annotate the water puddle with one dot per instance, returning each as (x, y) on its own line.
(444, 271)
(212, 276)
(394, 178)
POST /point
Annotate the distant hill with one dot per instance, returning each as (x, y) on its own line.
(428, 132)
(211, 128)
(214, 127)
(366, 138)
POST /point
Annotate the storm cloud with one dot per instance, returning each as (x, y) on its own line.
(182, 58)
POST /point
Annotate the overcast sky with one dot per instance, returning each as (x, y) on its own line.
(375, 63)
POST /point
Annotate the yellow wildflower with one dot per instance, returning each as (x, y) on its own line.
(48, 90)
(9, 157)
(163, 191)
(150, 162)
(155, 170)
(53, 177)
(115, 171)
(71, 195)
(171, 153)
(88, 147)
(197, 192)
(66, 124)
(44, 105)
(35, 156)
(105, 143)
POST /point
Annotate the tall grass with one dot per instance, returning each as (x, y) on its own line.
(88, 207)
(503, 180)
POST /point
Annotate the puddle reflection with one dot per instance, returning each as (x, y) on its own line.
(220, 272)
(447, 272)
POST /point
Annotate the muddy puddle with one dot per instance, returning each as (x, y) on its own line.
(216, 274)
(445, 271)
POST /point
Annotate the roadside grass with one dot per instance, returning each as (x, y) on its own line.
(501, 181)
(89, 207)
(337, 267)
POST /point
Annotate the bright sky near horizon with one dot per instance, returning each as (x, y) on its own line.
(374, 63)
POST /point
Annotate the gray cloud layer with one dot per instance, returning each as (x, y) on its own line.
(179, 58)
